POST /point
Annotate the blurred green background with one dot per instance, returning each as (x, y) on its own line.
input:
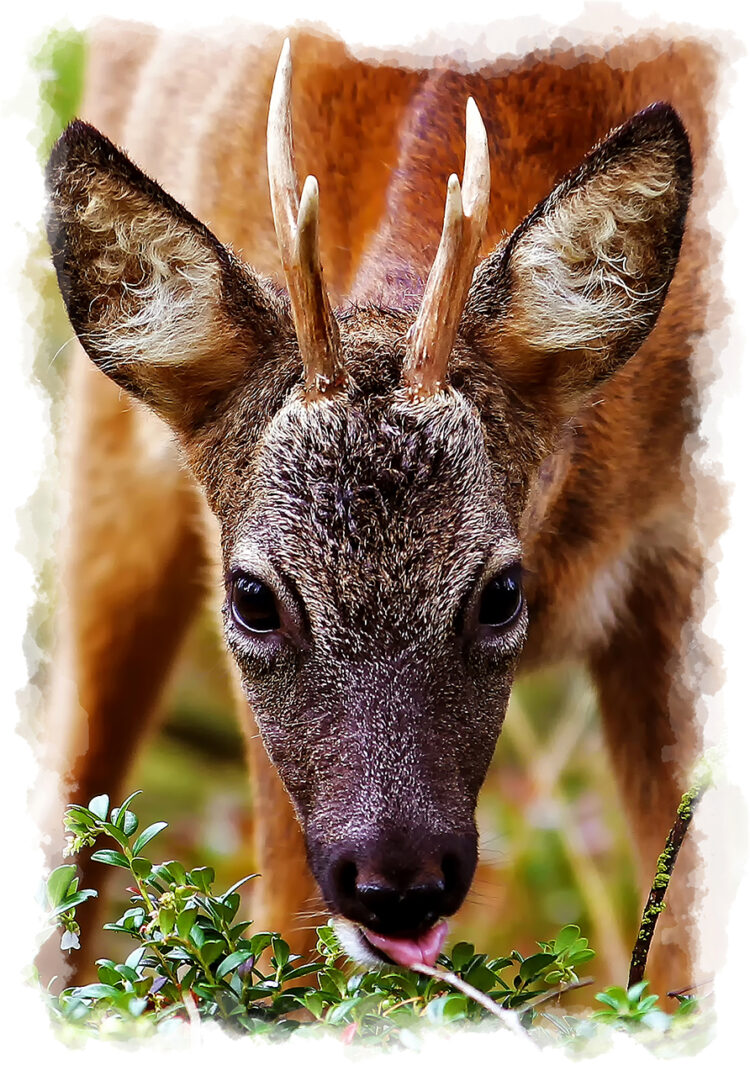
(553, 843)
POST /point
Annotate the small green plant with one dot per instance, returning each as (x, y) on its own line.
(194, 960)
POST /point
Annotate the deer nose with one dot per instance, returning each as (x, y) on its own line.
(398, 895)
(389, 909)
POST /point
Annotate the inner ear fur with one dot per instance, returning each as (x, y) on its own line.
(159, 304)
(579, 285)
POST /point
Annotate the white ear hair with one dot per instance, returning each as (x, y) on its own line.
(579, 271)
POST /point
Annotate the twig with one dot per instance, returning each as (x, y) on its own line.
(508, 1018)
(556, 992)
(664, 867)
(688, 991)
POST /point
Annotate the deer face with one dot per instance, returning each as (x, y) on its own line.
(374, 607)
(369, 495)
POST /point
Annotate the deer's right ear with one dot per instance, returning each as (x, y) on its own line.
(159, 304)
(579, 284)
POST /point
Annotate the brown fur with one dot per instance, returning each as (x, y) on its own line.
(604, 522)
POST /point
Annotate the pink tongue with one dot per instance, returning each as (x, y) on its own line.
(408, 951)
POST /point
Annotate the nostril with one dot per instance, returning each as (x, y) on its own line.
(451, 868)
(380, 902)
(401, 910)
(345, 878)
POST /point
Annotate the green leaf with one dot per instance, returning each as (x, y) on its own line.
(166, 920)
(96, 990)
(202, 878)
(74, 901)
(446, 1008)
(108, 975)
(129, 823)
(499, 964)
(132, 918)
(148, 834)
(164, 874)
(59, 882)
(259, 943)
(239, 929)
(281, 952)
(434, 1011)
(80, 815)
(119, 818)
(533, 966)
(614, 996)
(341, 1012)
(112, 831)
(186, 921)
(177, 871)
(137, 1005)
(314, 1003)
(110, 856)
(297, 973)
(566, 937)
(332, 981)
(135, 959)
(127, 972)
(635, 991)
(230, 906)
(210, 950)
(480, 977)
(229, 963)
(197, 937)
(236, 886)
(461, 955)
(141, 868)
(99, 806)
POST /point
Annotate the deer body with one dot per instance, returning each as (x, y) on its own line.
(377, 517)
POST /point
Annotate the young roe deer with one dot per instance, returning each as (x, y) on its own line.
(458, 455)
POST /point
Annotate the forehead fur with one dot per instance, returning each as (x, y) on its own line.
(361, 502)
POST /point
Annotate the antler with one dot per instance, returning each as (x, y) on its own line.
(433, 334)
(296, 224)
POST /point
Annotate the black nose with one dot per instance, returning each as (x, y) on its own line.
(396, 891)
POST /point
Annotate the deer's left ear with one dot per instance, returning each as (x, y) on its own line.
(579, 285)
(160, 305)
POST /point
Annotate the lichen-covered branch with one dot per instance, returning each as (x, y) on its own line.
(664, 867)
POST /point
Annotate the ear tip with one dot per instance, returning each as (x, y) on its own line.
(665, 122)
(79, 142)
(661, 121)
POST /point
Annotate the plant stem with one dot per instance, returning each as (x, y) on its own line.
(556, 993)
(664, 867)
(465, 988)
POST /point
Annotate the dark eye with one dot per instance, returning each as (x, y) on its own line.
(502, 598)
(253, 605)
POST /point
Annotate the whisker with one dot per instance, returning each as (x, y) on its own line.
(59, 350)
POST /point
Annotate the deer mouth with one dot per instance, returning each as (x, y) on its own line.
(368, 948)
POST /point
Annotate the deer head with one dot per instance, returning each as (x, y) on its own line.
(369, 469)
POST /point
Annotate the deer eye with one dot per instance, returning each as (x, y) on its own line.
(502, 598)
(253, 605)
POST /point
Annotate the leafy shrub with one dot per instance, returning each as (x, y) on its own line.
(193, 960)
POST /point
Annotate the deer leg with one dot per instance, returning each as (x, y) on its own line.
(648, 712)
(131, 579)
